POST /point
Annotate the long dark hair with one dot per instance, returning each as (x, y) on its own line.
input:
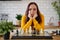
(38, 18)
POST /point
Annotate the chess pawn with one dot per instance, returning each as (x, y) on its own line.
(22, 31)
(26, 31)
(41, 31)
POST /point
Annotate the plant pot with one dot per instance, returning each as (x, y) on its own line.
(7, 35)
(19, 23)
(59, 23)
(1, 37)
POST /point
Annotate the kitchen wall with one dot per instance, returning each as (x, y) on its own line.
(19, 7)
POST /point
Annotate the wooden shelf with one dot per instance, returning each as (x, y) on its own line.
(52, 27)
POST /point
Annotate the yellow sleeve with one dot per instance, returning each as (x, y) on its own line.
(37, 25)
(24, 25)
(42, 23)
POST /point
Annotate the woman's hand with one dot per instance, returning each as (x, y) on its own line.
(30, 16)
(35, 15)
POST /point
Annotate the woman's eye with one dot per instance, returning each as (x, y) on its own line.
(34, 9)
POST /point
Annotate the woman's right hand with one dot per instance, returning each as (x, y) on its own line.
(30, 16)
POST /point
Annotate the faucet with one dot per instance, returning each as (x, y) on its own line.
(50, 23)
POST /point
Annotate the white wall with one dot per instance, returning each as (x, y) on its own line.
(19, 7)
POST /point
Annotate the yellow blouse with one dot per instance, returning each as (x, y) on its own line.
(37, 26)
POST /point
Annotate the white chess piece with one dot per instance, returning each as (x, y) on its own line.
(30, 30)
(21, 31)
(26, 31)
(41, 31)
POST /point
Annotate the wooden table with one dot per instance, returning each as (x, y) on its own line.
(56, 37)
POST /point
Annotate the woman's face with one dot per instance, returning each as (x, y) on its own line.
(32, 9)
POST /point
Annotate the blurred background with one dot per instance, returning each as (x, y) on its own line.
(9, 9)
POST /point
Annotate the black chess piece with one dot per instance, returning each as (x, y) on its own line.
(37, 32)
(12, 31)
(59, 32)
(17, 32)
(34, 31)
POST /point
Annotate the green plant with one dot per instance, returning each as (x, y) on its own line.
(6, 27)
(19, 16)
(56, 5)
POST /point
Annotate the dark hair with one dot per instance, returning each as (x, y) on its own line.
(38, 18)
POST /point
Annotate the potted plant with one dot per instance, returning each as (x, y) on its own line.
(56, 5)
(5, 28)
(18, 17)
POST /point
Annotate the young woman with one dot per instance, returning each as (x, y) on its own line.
(32, 18)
